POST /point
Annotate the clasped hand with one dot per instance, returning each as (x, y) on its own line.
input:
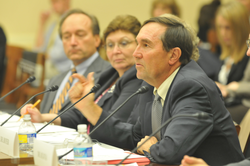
(146, 145)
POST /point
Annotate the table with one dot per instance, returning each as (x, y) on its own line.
(6, 160)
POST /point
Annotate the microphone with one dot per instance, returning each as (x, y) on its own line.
(29, 80)
(200, 116)
(141, 90)
(53, 88)
(93, 89)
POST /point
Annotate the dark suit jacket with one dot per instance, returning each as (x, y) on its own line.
(124, 87)
(214, 140)
(97, 66)
(237, 70)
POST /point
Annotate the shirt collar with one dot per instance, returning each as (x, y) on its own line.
(85, 64)
(164, 87)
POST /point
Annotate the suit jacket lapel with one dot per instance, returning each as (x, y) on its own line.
(107, 96)
(94, 67)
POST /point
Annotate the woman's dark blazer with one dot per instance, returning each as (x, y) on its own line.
(123, 88)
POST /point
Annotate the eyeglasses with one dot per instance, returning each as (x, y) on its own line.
(248, 43)
(122, 45)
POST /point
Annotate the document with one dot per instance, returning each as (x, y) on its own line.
(48, 129)
(110, 153)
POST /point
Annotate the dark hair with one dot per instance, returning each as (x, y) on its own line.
(123, 22)
(206, 18)
(176, 35)
(94, 21)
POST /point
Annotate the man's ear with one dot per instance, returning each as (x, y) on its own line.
(175, 55)
(97, 40)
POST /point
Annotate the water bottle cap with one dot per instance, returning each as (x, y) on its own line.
(82, 128)
(27, 117)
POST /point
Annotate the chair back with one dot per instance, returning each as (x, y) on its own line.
(13, 55)
(31, 64)
(237, 127)
(21, 64)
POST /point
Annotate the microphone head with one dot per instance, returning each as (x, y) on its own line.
(142, 89)
(95, 88)
(53, 88)
(31, 79)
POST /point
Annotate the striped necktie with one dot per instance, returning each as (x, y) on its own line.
(156, 115)
(57, 106)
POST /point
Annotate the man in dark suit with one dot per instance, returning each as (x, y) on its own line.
(163, 61)
(79, 32)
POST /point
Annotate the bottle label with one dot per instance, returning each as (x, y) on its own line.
(82, 152)
(26, 138)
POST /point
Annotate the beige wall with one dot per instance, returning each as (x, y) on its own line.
(20, 18)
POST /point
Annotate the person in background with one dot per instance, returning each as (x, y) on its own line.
(160, 7)
(193, 161)
(118, 82)
(49, 41)
(209, 46)
(79, 32)
(232, 26)
(179, 86)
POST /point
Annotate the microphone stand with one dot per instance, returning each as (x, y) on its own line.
(94, 89)
(30, 79)
(196, 115)
(143, 89)
(50, 89)
(113, 113)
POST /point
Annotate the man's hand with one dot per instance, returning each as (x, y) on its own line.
(80, 89)
(35, 114)
(146, 145)
(192, 161)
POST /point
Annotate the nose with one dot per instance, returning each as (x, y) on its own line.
(73, 40)
(137, 53)
(117, 49)
(222, 32)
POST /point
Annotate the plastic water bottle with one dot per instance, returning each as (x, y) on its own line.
(26, 134)
(83, 147)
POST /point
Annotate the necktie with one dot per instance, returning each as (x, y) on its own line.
(59, 102)
(156, 115)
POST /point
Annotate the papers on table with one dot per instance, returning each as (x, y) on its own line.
(47, 129)
(52, 133)
(58, 134)
(57, 138)
(106, 152)
(4, 116)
